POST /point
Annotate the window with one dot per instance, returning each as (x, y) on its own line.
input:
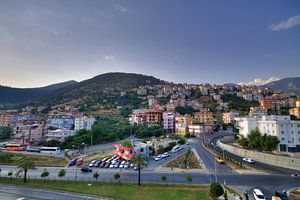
(282, 139)
(282, 132)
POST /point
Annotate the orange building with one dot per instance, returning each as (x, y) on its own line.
(154, 117)
(267, 103)
(205, 117)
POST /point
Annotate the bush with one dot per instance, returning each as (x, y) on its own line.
(216, 190)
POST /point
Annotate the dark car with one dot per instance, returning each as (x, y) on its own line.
(295, 175)
(107, 165)
(72, 162)
(282, 195)
(102, 165)
(97, 164)
(86, 169)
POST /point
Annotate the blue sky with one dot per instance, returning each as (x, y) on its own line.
(43, 42)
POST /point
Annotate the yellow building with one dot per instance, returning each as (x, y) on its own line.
(181, 124)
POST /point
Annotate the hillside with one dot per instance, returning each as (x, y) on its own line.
(109, 84)
(286, 84)
(10, 95)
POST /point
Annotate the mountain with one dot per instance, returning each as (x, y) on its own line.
(10, 95)
(285, 84)
(104, 83)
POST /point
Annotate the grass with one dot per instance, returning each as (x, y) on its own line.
(120, 191)
(295, 193)
(192, 161)
(7, 158)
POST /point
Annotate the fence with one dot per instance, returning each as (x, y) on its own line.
(281, 161)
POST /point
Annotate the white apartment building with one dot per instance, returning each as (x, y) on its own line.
(84, 123)
(59, 134)
(286, 130)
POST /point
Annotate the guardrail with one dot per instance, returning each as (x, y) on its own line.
(280, 161)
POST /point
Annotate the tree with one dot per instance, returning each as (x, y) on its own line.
(117, 176)
(25, 165)
(126, 144)
(96, 175)
(243, 141)
(138, 160)
(61, 173)
(189, 179)
(5, 134)
(254, 139)
(164, 178)
(216, 190)
(45, 173)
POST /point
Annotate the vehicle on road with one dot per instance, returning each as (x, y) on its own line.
(165, 155)
(157, 158)
(248, 160)
(85, 169)
(50, 150)
(97, 164)
(282, 195)
(176, 148)
(219, 160)
(295, 175)
(258, 195)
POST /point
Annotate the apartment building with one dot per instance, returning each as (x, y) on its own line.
(181, 124)
(169, 121)
(228, 117)
(204, 117)
(28, 133)
(286, 130)
(84, 123)
(267, 103)
(200, 129)
(58, 134)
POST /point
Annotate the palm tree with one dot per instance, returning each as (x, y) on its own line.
(138, 160)
(61, 173)
(25, 165)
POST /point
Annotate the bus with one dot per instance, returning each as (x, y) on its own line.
(50, 150)
(14, 147)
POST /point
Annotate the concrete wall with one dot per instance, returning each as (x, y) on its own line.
(282, 161)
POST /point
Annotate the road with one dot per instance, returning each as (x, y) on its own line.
(271, 169)
(9, 192)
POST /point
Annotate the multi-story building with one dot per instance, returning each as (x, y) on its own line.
(58, 134)
(203, 117)
(84, 123)
(200, 129)
(137, 119)
(153, 117)
(28, 133)
(61, 121)
(286, 130)
(267, 103)
(296, 111)
(181, 124)
(5, 118)
(228, 117)
(169, 121)
(257, 112)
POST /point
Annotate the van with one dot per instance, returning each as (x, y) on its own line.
(258, 195)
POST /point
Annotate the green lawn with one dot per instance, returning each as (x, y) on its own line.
(8, 158)
(121, 191)
(192, 161)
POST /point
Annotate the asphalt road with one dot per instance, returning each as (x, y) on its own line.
(271, 169)
(8, 192)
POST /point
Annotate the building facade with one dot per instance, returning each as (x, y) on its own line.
(181, 124)
(169, 121)
(85, 123)
(228, 117)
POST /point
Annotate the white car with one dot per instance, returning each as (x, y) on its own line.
(111, 166)
(258, 195)
(248, 160)
(157, 158)
(164, 155)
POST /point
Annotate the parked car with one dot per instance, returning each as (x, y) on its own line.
(282, 195)
(72, 162)
(117, 164)
(86, 169)
(92, 163)
(111, 166)
(166, 154)
(107, 165)
(295, 175)
(97, 164)
(258, 195)
(102, 164)
(127, 165)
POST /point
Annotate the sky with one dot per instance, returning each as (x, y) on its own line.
(196, 41)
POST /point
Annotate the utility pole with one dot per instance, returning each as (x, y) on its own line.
(216, 180)
(91, 140)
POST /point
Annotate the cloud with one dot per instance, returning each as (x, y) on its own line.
(120, 8)
(110, 58)
(259, 81)
(291, 22)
